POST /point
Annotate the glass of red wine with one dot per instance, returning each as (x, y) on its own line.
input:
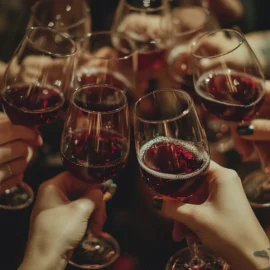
(70, 17)
(37, 76)
(173, 154)
(189, 21)
(147, 23)
(230, 83)
(108, 58)
(94, 148)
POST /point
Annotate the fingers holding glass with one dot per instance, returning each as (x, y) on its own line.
(173, 155)
(35, 84)
(95, 148)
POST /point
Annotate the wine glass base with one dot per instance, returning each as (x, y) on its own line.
(180, 260)
(95, 252)
(257, 192)
(17, 197)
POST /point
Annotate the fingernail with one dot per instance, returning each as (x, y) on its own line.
(157, 203)
(245, 130)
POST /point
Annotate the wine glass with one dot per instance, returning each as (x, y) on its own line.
(94, 148)
(230, 83)
(189, 21)
(148, 24)
(108, 58)
(70, 17)
(173, 154)
(37, 76)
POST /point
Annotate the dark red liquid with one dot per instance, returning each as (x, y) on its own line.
(96, 156)
(30, 105)
(151, 59)
(235, 97)
(172, 168)
(151, 55)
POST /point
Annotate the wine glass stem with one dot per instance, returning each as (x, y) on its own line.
(193, 249)
(264, 157)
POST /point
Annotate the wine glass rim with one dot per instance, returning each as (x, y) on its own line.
(147, 10)
(195, 42)
(181, 115)
(63, 55)
(99, 112)
(131, 42)
(207, 16)
(80, 21)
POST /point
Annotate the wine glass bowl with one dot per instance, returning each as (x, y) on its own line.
(108, 57)
(95, 145)
(173, 155)
(147, 23)
(188, 22)
(227, 75)
(70, 17)
(37, 78)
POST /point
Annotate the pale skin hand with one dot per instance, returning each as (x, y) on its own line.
(59, 221)
(15, 151)
(259, 42)
(225, 10)
(225, 222)
(260, 129)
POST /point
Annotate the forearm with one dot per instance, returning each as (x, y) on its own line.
(38, 257)
(252, 256)
(41, 263)
(260, 43)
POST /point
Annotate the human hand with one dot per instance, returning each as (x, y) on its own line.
(257, 130)
(3, 67)
(225, 222)
(225, 10)
(16, 144)
(59, 221)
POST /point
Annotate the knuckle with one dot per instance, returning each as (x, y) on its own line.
(84, 206)
(45, 189)
(233, 174)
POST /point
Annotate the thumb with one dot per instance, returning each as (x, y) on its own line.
(85, 205)
(182, 212)
(257, 130)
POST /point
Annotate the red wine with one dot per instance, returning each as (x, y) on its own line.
(150, 52)
(172, 167)
(151, 59)
(230, 96)
(30, 105)
(95, 156)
